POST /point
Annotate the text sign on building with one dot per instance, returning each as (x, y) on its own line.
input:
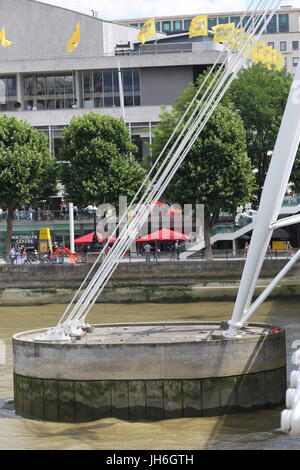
(29, 238)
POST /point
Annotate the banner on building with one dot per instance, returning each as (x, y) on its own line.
(223, 32)
(74, 39)
(147, 31)
(198, 26)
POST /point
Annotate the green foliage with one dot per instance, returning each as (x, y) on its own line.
(27, 170)
(217, 171)
(99, 165)
(260, 94)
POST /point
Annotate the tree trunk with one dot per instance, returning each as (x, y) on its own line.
(9, 229)
(207, 227)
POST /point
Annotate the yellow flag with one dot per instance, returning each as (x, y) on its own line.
(223, 32)
(198, 26)
(257, 53)
(74, 39)
(268, 56)
(4, 42)
(274, 58)
(147, 31)
(237, 40)
(280, 61)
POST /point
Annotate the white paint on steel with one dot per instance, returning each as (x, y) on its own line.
(271, 200)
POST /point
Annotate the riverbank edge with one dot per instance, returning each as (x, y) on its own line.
(163, 282)
(131, 293)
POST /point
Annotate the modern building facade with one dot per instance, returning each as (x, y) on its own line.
(282, 33)
(43, 84)
(46, 86)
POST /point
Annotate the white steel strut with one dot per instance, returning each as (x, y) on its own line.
(266, 218)
(184, 135)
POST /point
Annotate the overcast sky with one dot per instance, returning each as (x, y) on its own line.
(122, 9)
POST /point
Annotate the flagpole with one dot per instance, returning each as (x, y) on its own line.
(121, 92)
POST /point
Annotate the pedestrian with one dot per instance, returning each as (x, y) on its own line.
(290, 249)
(246, 248)
(177, 249)
(12, 255)
(147, 250)
(269, 252)
(172, 252)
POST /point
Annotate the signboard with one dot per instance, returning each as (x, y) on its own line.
(28, 238)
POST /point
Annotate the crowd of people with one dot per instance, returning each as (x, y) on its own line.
(155, 251)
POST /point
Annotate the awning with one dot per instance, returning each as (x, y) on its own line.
(163, 235)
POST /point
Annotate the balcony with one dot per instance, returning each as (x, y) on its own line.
(24, 217)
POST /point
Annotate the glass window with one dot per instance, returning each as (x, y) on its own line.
(271, 44)
(98, 84)
(8, 93)
(50, 85)
(187, 25)
(223, 19)
(282, 46)
(283, 23)
(295, 45)
(177, 25)
(295, 61)
(12, 86)
(166, 26)
(157, 25)
(101, 88)
(136, 80)
(87, 81)
(40, 86)
(246, 22)
(60, 85)
(212, 22)
(272, 26)
(55, 91)
(235, 20)
(107, 81)
(127, 80)
(69, 86)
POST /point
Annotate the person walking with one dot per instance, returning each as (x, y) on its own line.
(12, 255)
(147, 250)
(177, 250)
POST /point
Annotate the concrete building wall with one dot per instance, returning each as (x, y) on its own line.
(161, 86)
(40, 30)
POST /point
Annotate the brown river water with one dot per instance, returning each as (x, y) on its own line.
(257, 430)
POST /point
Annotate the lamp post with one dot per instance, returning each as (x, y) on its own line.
(95, 245)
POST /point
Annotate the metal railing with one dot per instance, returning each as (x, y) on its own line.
(45, 215)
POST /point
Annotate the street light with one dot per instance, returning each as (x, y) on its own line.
(95, 245)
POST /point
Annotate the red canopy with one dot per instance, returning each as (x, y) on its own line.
(174, 212)
(88, 238)
(163, 235)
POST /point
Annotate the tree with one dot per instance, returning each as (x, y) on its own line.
(217, 172)
(27, 170)
(98, 161)
(259, 94)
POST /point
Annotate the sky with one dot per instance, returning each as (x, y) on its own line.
(129, 9)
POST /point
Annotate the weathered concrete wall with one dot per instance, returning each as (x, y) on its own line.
(181, 273)
(140, 282)
(82, 401)
(178, 360)
(69, 382)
